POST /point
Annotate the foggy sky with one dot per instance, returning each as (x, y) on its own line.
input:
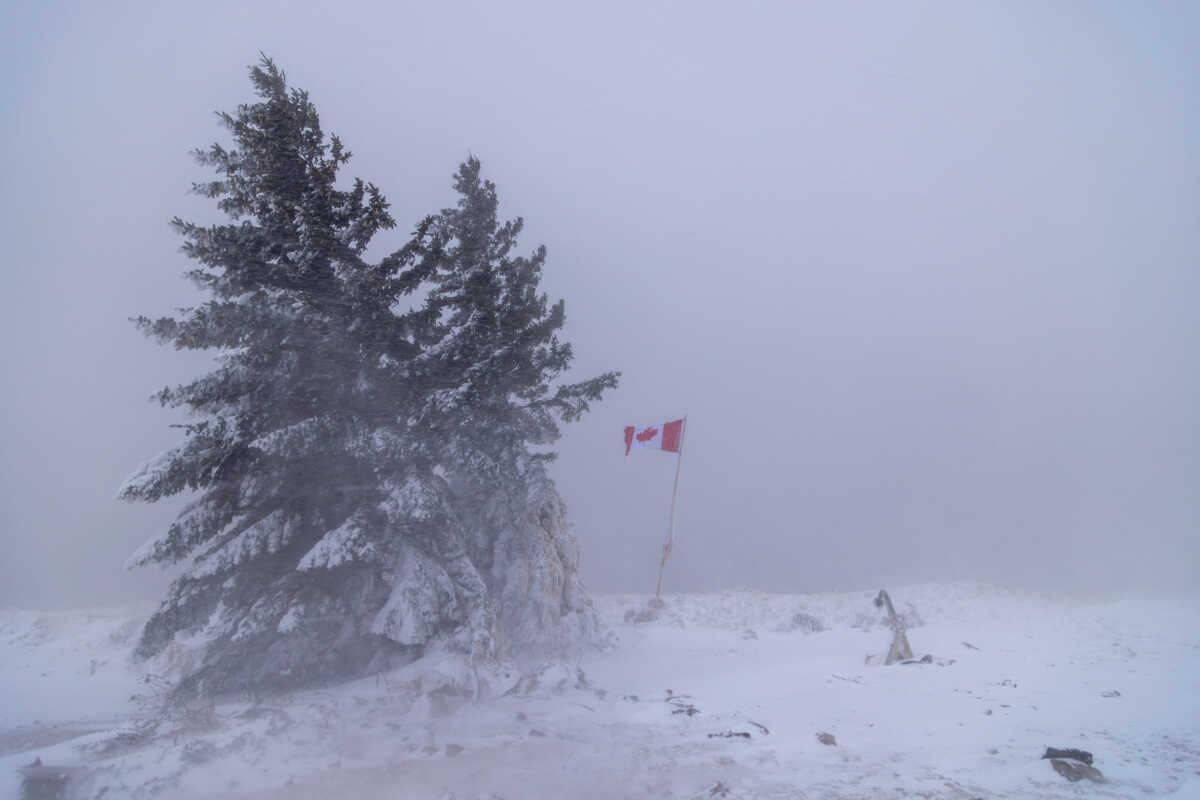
(923, 276)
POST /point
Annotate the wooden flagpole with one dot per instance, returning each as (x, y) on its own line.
(670, 543)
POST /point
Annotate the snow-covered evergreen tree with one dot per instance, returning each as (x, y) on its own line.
(368, 471)
(492, 358)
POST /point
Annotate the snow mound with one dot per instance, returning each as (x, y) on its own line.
(731, 695)
(752, 610)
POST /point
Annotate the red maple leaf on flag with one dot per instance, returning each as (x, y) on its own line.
(648, 434)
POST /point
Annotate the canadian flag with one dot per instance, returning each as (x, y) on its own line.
(666, 436)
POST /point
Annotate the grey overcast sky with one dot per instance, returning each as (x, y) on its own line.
(924, 276)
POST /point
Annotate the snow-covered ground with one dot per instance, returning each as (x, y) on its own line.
(1012, 673)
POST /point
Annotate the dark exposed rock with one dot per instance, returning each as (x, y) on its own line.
(1074, 770)
(925, 659)
(1071, 752)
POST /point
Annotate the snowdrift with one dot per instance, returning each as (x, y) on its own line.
(735, 695)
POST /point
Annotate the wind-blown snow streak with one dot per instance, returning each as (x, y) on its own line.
(1011, 673)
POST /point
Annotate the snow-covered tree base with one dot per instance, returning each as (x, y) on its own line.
(544, 608)
(519, 601)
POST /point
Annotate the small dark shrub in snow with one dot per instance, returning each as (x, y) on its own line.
(680, 704)
(806, 623)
